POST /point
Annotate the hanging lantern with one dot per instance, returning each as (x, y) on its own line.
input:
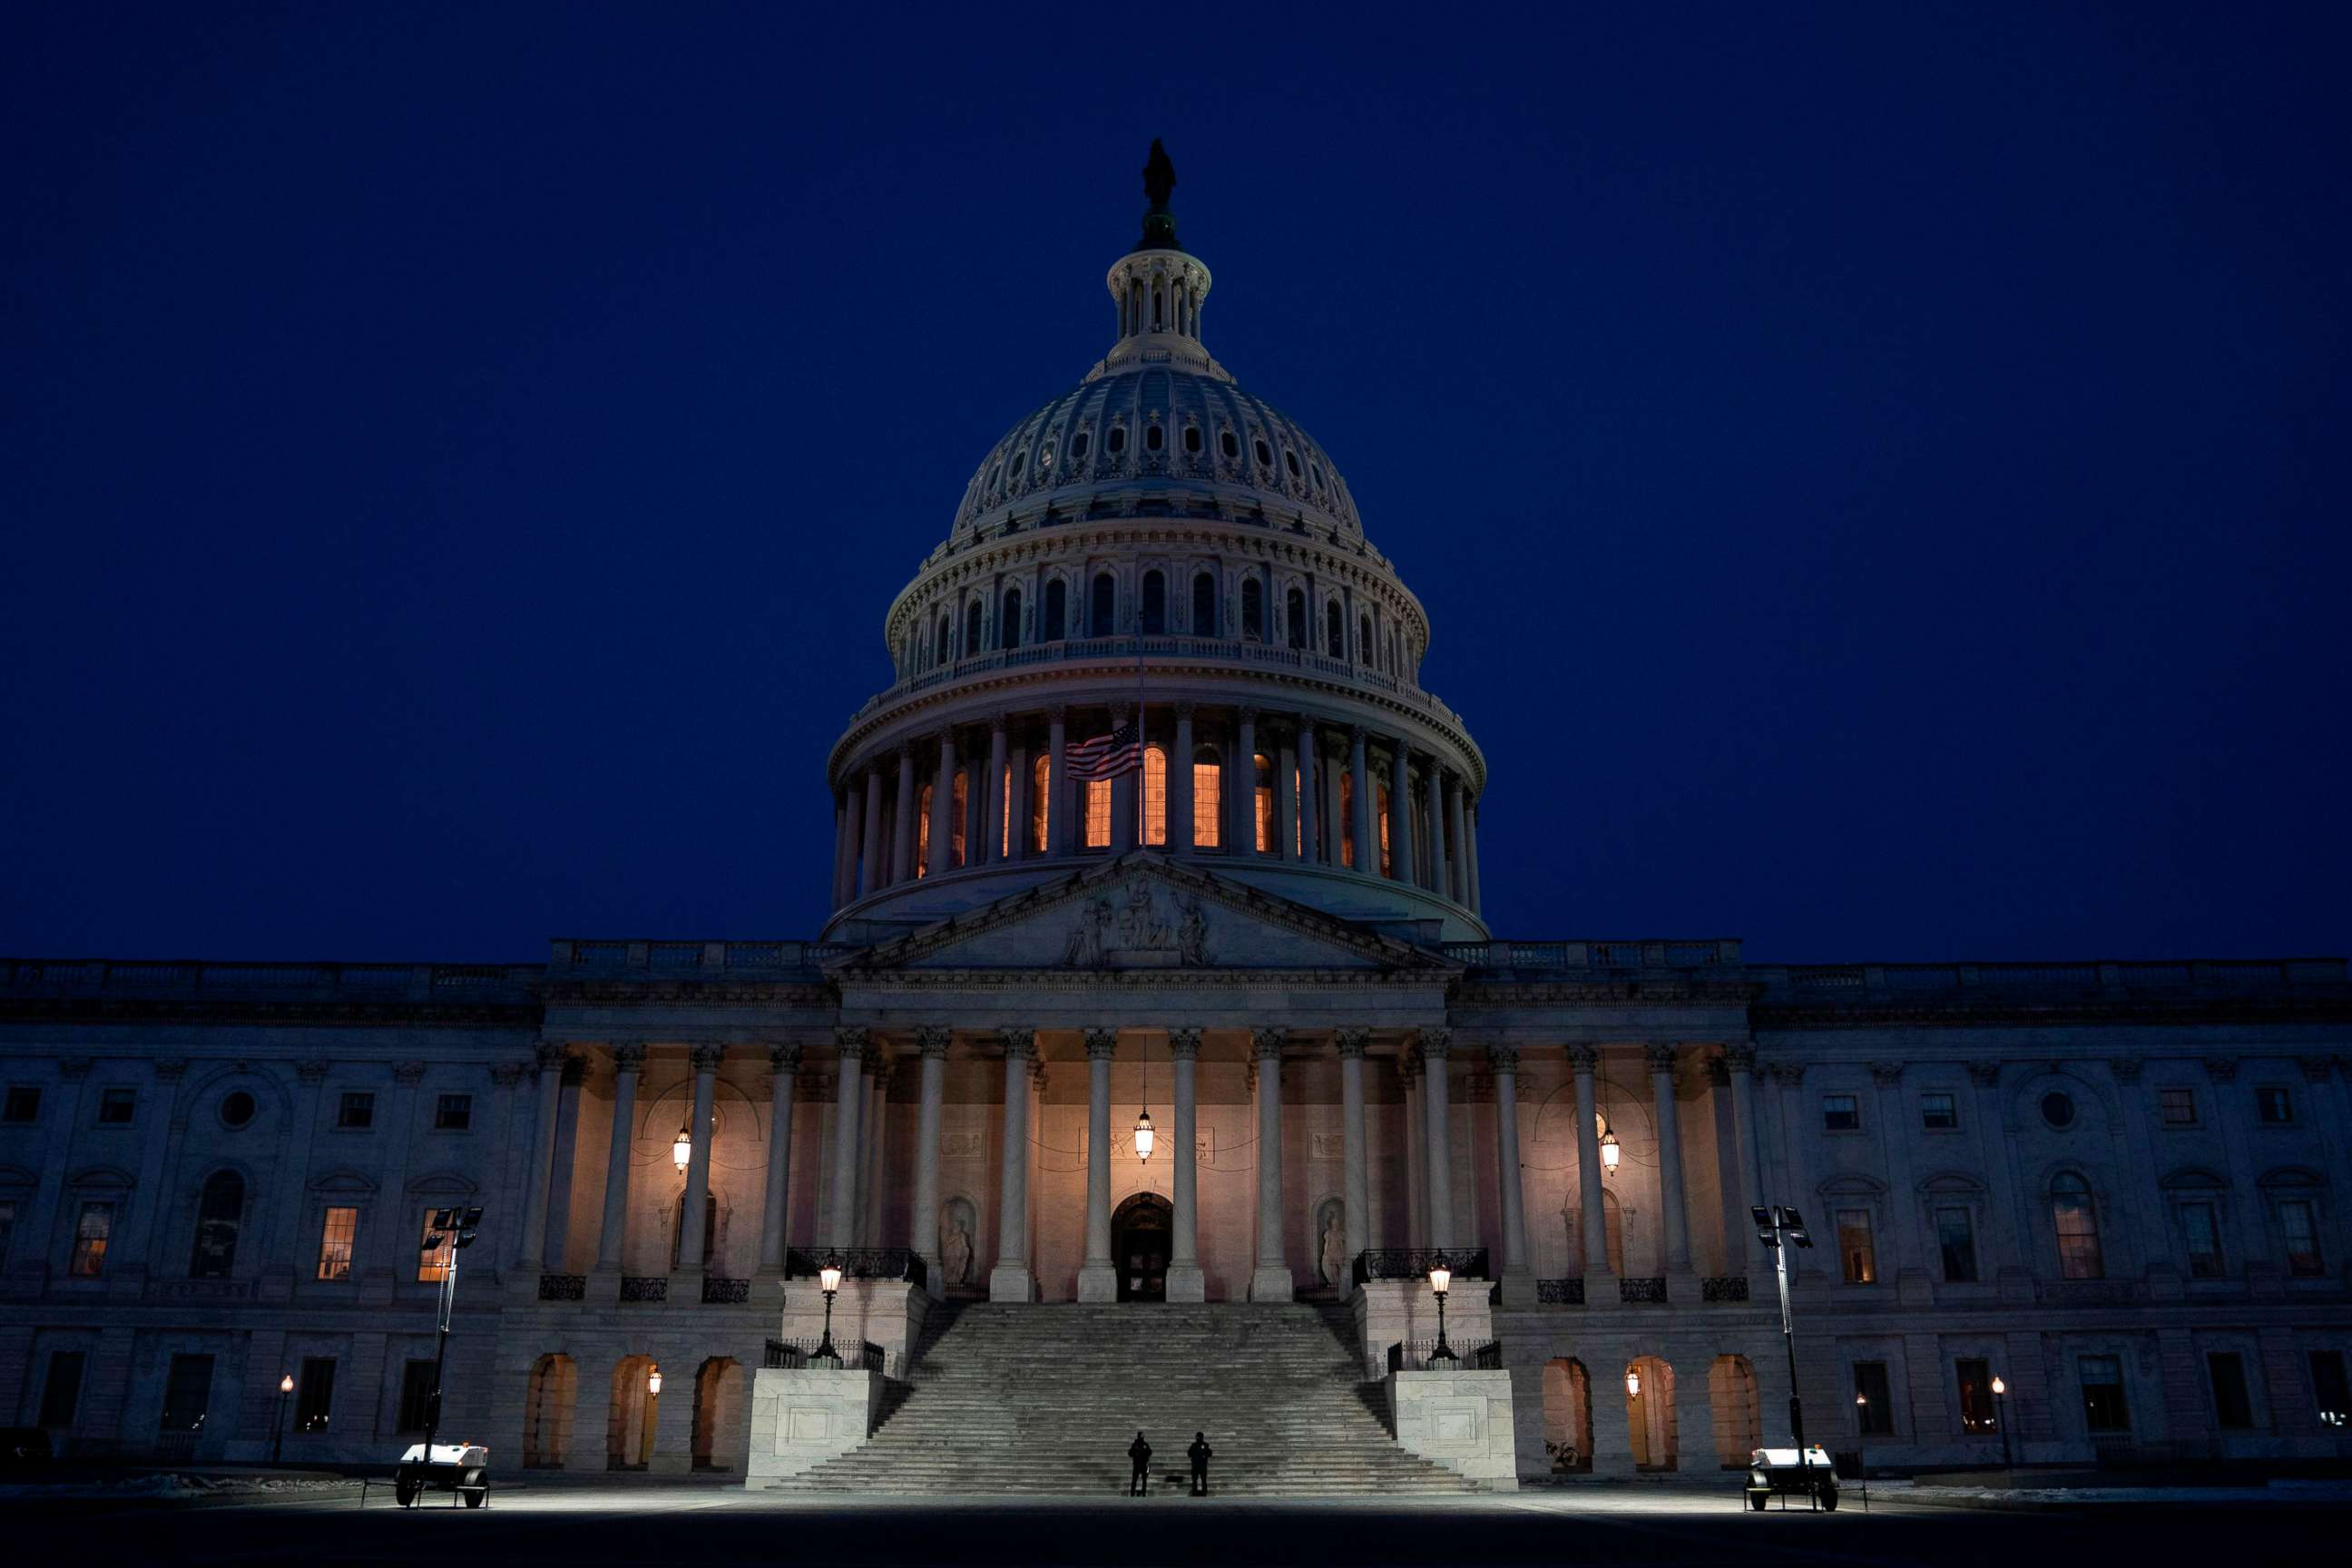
(1144, 1137)
(653, 1381)
(683, 1150)
(1633, 1383)
(1609, 1153)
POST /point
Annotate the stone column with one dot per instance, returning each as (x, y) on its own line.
(1033, 1128)
(1179, 784)
(1287, 835)
(1186, 1282)
(1098, 1276)
(285, 1247)
(1010, 1281)
(1311, 751)
(549, 1055)
(1242, 811)
(1739, 1250)
(995, 822)
(870, 836)
(1125, 832)
(943, 845)
(902, 848)
(841, 837)
(628, 1060)
(1057, 790)
(1470, 818)
(1401, 862)
(1671, 1202)
(1433, 858)
(1270, 1280)
(1518, 1271)
(1591, 1219)
(840, 1219)
(1435, 1045)
(874, 1087)
(783, 1078)
(1356, 1177)
(1416, 1172)
(139, 1233)
(1902, 1258)
(923, 1218)
(1996, 1254)
(1360, 828)
(1017, 760)
(1457, 859)
(690, 1226)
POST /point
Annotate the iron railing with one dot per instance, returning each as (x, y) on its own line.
(722, 1292)
(564, 1286)
(791, 1355)
(1414, 1263)
(860, 1263)
(1712, 952)
(1421, 1355)
(1723, 1287)
(1639, 1291)
(645, 1287)
(1560, 1292)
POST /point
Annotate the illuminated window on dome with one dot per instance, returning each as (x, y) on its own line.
(1345, 827)
(1265, 803)
(1098, 814)
(1208, 798)
(923, 833)
(1380, 794)
(1005, 851)
(1155, 796)
(1298, 788)
(1040, 798)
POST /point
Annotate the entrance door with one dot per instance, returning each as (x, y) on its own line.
(1140, 1233)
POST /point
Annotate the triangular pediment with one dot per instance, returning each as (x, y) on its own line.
(1145, 913)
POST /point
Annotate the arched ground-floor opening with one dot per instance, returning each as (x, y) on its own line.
(629, 1431)
(1568, 1415)
(1731, 1401)
(547, 1416)
(718, 1413)
(1140, 1231)
(1650, 1414)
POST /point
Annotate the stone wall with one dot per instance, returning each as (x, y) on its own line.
(1458, 1420)
(800, 1418)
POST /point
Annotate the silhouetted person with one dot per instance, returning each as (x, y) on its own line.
(1198, 1454)
(1140, 1483)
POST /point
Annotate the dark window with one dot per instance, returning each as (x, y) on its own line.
(357, 1109)
(117, 1106)
(2076, 1220)
(1873, 1401)
(2178, 1107)
(1020, 459)
(1079, 445)
(1333, 638)
(2105, 1408)
(1290, 462)
(971, 629)
(1153, 438)
(1841, 1113)
(1265, 453)
(1106, 606)
(1227, 445)
(1008, 626)
(314, 1395)
(2232, 1408)
(1956, 1238)
(452, 1112)
(1977, 1412)
(220, 1215)
(1939, 1112)
(23, 1103)
(1364, 639)
(995, 472)
(2299, 1227)
(236, 1108)
(1317, 469)
(1294, 609)
(1058, 611)
(2327, 1388)
(2200, 1228)
(94, 1229)
(415, 1395)
(1252, 611)
(7, 1226)
(2058, 1108)
(942, 649)
(61, 1391)
(187, 1392)
(2274, 1105)
(1155, 602)
(1205, 606)
(1193, 440)
(1117, 440)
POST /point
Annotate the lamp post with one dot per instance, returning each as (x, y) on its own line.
(828, 1279)
(652, 1380)
(278, 1433)
(457, 1227)
(1774, 1226)
(2000, 1417)
(1440, 1281)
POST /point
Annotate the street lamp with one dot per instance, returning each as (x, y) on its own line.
(2000, 1417)
(828, 1279)
(1440, 1281)
(1861, 1430)
(682, 1150)
(277, 1434)
(1633, 1381)
(652, 1380)
(454, 1228)
(1775, 1226)
(1609, 1152)
(1144, 1135)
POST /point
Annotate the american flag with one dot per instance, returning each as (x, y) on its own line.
(1106, 756)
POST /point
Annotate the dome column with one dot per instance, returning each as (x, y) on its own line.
(1458, 861)
(1124, 789)
(942, 857)
(1285, 800)
(1436, 1046)
(902, 846)
(841, 810)
(1179, 784)
(994, 822)
(1098, 1275)
(1470, 817)
(1368, 853)
(1311, 751)
(1057, 791)
(1433, 860)
(1401, 862)
(1242, 770)
(869, 837)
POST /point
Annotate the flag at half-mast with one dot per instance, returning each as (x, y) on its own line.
(1106, 756)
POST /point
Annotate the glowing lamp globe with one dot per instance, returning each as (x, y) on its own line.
(653, 1381)
(828, 1278)
(1999, 1386)
(1144, 1137)
(286, 1384)
(683, 1150)
(1440, 1278)
(1609, 1153)
(1633, 1383)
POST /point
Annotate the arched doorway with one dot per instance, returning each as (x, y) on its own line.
(629, 1431)
(718, 1399)
(547, 1419)
(1568, 1415)
(1650, 1414)
(1731, 1401)
(1140, 1231)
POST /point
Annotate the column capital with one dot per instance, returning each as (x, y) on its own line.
(1351, 1042)
(1791, 1075)
(1266, 1043)
(784, 1059)
(1059, 712)
(1583, 1059)
(1504, 1059)
(551, 1054)
(872, 1062)
(998, 723)
(1983, 1074)
(1245, 715)
(849, 1039)
(1436, 1043)
(1102, 1045)
(1357, 735)
(906, 750)
(1184, 1044)
(1306, 722)
(1740, 1056)
(1886, 1075)
(1183, 711)
(1659, 1056)
(1409, 1063)
(1037, 1071)
(1018, 1042)
(706, 1059)
(1120, 712)
(945, 735)
(506, 1075)
(932, 1040)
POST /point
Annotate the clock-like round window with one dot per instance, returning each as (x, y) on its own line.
(2058, 1108)
(236, 1108)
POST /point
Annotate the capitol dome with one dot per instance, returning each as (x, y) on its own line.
(1159, 557)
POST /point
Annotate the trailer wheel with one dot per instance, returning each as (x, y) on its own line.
(404, 1493)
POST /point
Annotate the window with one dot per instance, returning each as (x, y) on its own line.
(2103, 1406)
(1344, 830)
(1098, 814)
(1079, 445)
(1155, 796)
(1874, 1400)
(2200, 1229)
(1193, 440)
(1380, 810)
(1020, 459)
(357, 1109)
(7, 1227)
(1155, 603)
(1317, 470)
(1117, 440)
(1153, 438)
(314, 1394)
(92, 1229)
(236, 1108)
(1102, 617)
(1294, 619)
(220, 1215)
(1976, 1414)
(415, 1412)
(2176, 1107)
(187, 1393)
(1841, 1113)
(1205, 606)
(24, 1104)
(1290, 462)
(1208, 798)
(2328, 1391)
(1333, 638)
(2273, 1107)
(1041, 797)
(435, 1248)
(2299, 1227)
(2077, 1224)
(336, 1240)
(1008, 624)
(1262, 799)
(1057, 607)
(943, 645)
(452, 1112)
(1940, 1113)
(1264, 453)
(1956, 1238)
(61, 1390)
(117, 1106)
(1226, 444)
(2232, 1408)
(1363, 639)
(2058, 1108)
(923, 831)
(971, 629)
(1252, 611)
(1856, 1257)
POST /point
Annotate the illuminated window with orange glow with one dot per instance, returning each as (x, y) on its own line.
(433, 1262)
(1006, 799)
(1098, 814)
(1155, 796)
(1346, 826)
(1380, 794)
(923, 832)
(962, 800)
(1040, 798)
(1298, 787)
(1208, 798)
(336, 1241)
(1263, 801)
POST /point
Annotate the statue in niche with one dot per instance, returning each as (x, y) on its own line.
(1192, 934)
(1331, 1255)
(955, 1245)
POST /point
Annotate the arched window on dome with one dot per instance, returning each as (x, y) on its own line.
(1117, 440)
(1335, 636)
(1079, 443)
(1158, 309)
(1155, 796)
(1364, 644)
(1008, 624)
(1294, 618)
(1134, 306)
(1208, 797)
(1041, 795)
(2076, 1222)
(1192, 440)
(220, 1216)
(923, 832)
(1155, 603)
(1346, 826)
(1057, 612)
(943, 646)
(1205, 606)
(962, 801)
(1381, 811)
(1227, 443)
(971, 629)
(1102, 620)
(1252, 611)
(1097, 816)
(1261, 802)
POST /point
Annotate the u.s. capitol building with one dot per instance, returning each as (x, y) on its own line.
(2117, 1188)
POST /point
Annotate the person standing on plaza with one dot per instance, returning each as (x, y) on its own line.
(1198, 1454)
(1140, 1483)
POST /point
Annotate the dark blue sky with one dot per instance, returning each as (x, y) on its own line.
(1877, 480)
